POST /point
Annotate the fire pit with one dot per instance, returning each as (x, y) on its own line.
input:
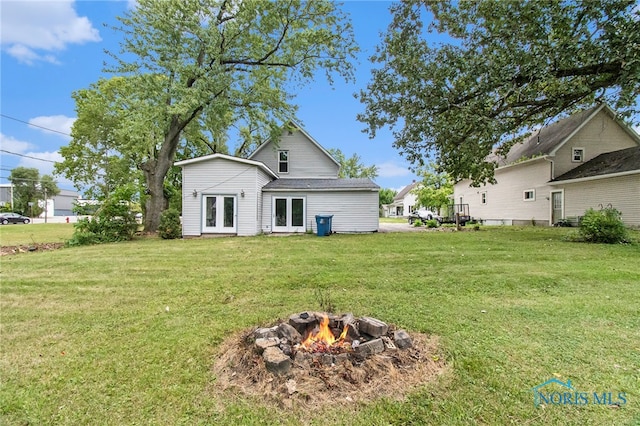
(300, 358)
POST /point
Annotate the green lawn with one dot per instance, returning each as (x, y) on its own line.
(86, 338)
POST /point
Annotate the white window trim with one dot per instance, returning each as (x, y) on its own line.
(288, 162)
(524, 195)
(573, 159)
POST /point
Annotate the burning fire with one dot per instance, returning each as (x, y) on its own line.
(324, 340)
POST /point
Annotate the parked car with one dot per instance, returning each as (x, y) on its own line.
(423, 215)
(6, 218)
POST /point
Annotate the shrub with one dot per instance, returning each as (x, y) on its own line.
(603, 226)
(112, 222)
(417, 223)
(170, 226)
(431, 223)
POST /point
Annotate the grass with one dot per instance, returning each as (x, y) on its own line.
(13, 235)
(87, 339)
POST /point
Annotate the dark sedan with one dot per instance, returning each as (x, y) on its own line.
(6, 218)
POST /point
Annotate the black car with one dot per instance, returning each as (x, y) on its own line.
(6, 218)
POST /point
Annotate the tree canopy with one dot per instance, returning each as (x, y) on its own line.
(457, 80)
(196, 69)
(352, 167)
(435, 189)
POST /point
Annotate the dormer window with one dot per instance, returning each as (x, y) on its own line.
(578, 155)
(283, 161)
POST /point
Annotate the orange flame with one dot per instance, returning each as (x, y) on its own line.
(324, 337)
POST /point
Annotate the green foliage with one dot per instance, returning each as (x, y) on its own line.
(435, 189)
(29, 187)
(113, 221)
(456, 79)
(170, 226)
(417, 223)
(432, 223)
(603, 226)
(386, 195)
(352, 167)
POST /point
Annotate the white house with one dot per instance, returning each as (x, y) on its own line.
(403, 203)
(280, 188)
(588, 160)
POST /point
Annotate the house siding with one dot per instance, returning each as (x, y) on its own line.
(600, 135)
(234, 178)
(306, 159)
(622, 193)
(353, 211)
(505, 200)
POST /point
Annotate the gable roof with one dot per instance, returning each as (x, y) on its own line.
(549, 139)
(347, 184)
(616, 162)
(404, 191)
(259, 164)
(307, 135)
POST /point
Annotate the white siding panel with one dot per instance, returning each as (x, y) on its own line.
(622, 193)
(505, 200)
(353, 211)
(306, 160)
(600, 135)
(220, 176)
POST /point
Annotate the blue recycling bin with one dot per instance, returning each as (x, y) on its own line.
(323, 223)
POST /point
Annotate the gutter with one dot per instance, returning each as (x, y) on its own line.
(597, 177)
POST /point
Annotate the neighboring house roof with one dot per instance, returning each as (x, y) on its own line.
(404, 191)
(349, 184)
(266, 169)
(616, 162)
(549, 139)
(307, 135)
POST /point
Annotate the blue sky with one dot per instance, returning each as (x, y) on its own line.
(52, 48)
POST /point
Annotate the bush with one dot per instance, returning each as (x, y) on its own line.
(603, 226)
(417, 223)
(170, 227)
(432, 223)
(112, 222)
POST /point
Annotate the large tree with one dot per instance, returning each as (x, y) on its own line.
(483, 73)
(435, 189)
(352, 167)
(203, 67)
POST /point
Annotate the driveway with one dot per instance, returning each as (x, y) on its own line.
(398, 227)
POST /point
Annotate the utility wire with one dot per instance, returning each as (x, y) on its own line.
(26, 156)
(34, 125)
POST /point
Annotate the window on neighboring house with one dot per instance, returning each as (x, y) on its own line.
(483, 197)
(530, 195)
(283, 161)
(578, 155)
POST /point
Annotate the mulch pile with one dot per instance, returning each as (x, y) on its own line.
(240, 370)
(7, 250)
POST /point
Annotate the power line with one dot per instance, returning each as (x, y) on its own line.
(26, 156)
(34, 125)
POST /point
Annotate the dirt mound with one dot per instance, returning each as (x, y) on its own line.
(239, 369)
(7, 250)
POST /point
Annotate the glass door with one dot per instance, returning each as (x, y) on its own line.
(219, 214)
(289, 214)
(556, 207)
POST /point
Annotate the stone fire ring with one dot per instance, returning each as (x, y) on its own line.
(379, 361)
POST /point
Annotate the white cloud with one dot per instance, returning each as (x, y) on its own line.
(59, 125)
(11, 144)
(31, 30)
(391, 169)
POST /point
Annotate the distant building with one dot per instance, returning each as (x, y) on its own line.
(59, 205)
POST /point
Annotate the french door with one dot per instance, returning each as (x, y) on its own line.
(219, 214)
(289, 214)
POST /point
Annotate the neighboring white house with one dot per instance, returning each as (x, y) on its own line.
(279, 188)
(587, 160)
(403, 203)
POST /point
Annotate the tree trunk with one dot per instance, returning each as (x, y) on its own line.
(155, 170)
